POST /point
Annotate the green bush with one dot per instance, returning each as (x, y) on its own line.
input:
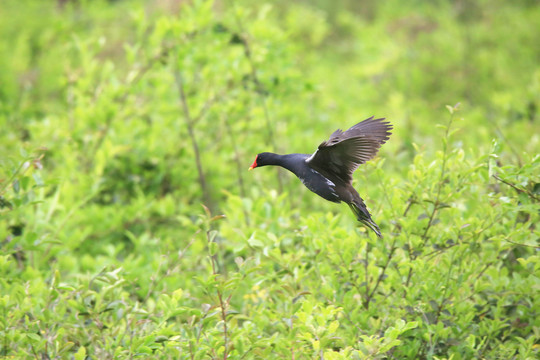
(130, 228)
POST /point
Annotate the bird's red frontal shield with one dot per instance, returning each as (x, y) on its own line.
(254, 165)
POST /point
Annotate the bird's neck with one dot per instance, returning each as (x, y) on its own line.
(291, 162)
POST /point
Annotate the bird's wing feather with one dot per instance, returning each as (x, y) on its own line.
(344, 151)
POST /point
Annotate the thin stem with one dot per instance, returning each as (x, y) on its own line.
(222, 304)
(239, 168)
(259, 90)
(520, 244)
(518, 189)
(397, 226)
(131, 335)
(381, 275)
(236, 159)
(436, 203)
(158, 278)
(102, 135)
(505, 139)
(258, 86)
(441, 178)
(366, 264)
(12, 177)
(321, 352)
(5, 351)
(443, 297)
(189, 121)
(224, 317)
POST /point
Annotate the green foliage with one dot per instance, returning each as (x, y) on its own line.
(129, 226)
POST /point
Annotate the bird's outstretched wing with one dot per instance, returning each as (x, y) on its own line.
(345, 151)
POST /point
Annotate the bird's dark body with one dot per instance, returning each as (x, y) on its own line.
(311, 178)
(328, 171)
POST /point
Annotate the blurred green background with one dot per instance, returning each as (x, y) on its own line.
(121, 118)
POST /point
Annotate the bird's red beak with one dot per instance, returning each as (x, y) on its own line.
(254, 165)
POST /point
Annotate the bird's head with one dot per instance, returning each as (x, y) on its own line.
(261, 159)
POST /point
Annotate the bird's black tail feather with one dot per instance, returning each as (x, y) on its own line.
(364, 217)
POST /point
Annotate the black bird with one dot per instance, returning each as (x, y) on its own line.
(328, 171)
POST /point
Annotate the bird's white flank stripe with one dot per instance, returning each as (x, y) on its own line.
(311, 157)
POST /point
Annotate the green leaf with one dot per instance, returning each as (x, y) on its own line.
(33, 336)
(254, 242)
(213, 248)
(38, 179)
(16, 186)
(80, 354)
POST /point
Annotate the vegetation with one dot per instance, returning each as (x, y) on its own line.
(130, 227)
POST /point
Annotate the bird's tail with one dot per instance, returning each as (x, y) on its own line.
(362, 215)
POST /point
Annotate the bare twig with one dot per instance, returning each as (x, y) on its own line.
(236, 160)
(206, 107)
(381, 275)
(190, 122)
(239, 168)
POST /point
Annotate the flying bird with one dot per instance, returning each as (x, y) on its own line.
(328, 171)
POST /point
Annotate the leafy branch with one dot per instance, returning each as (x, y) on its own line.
(223, 303)
(436, 203)
(517, 188)
(381, 277)
(23, 166)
